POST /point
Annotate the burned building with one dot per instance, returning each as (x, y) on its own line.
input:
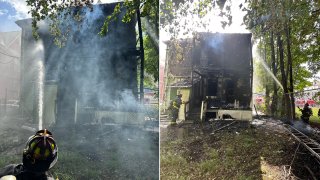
(216, 69)
(89, 73)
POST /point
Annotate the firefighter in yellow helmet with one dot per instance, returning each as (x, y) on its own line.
(40, 154)
(306, 113)
(174, 107)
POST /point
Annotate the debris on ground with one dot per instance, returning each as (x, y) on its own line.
(260, 149)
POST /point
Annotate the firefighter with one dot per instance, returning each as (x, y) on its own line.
(40, 154)
(174, 107)
(319, 113)
(306, 113)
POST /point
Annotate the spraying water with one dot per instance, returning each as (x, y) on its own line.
(271, 74)
(38, 53)
(150, 31)
(40, 87)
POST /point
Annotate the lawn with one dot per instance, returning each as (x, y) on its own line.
(240, 153)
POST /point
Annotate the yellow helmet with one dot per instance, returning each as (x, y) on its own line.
(41, 152)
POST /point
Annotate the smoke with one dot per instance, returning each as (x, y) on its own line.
(263, 19)
(302, 127)
(90, 81)
(96, 70)
(150, 31)
(216, 42)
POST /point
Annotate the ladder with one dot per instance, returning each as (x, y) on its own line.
(310, 144)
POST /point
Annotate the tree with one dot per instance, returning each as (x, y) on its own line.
(151, 63)
(55, 11)
(274, 71)
(61, 15)
(181, 17)
(287, 20)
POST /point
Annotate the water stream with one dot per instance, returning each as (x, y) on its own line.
(265, 66)
(40, 87)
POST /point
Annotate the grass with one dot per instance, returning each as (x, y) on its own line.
(10, 159)
(114, 157)
(119, 155)
(73, 165)
(314, 118)
(224, 155)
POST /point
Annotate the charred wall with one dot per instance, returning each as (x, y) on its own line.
(226, 61)
(220, 64)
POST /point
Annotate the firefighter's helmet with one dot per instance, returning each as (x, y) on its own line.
(41, 152)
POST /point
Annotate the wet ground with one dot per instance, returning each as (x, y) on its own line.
(232, 150)
(93, 151)
(114, 153)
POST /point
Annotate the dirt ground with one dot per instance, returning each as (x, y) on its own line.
(242, 150)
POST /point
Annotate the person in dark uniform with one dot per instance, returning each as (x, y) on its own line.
(306, 113)
(40, 154)
(174, 107)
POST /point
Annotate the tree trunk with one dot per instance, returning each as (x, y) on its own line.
(283, 107)
(283, 77)
(274, 71)
(292, 102)
(267, 102)
(141, 57)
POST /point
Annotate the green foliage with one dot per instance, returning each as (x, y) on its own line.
(259, 78)
(149, 81)
(61, 20)
(151, 63)
(275, 16)
(293, 21)
(316, 97)
(53, 10)
(151, 58)
(301, 78)
(173, 15)
(110, 18)
(131, 9)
